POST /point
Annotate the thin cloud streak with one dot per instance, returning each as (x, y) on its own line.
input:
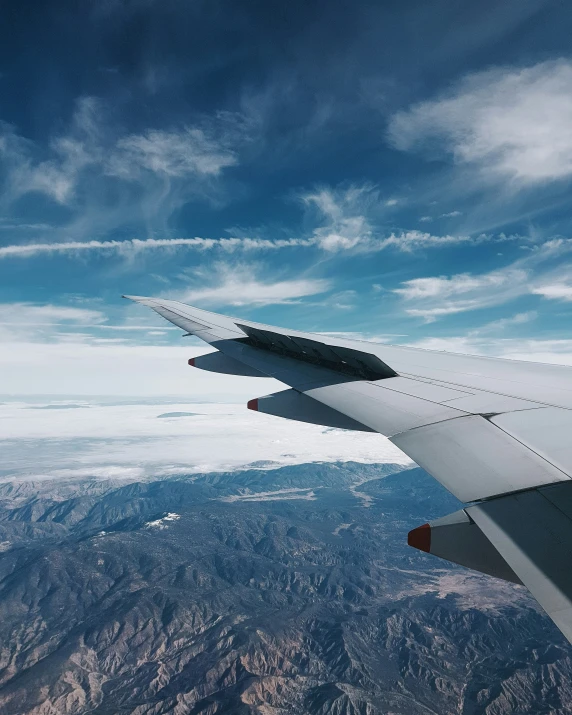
(405, 241)
(136, 244)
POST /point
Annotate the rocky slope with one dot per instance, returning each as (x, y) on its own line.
(264, 591)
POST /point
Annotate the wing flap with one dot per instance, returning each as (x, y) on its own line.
(474, 459)
(546, 431)
(382, 409)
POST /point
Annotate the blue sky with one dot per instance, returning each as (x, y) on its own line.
(398, 171)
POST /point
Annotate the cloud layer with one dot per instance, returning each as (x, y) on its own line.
(129, 441)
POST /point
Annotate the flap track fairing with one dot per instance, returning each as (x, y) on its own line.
(294, 405)
(458, 539)
(221, 363)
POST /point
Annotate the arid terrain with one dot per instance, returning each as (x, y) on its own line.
(268, 591)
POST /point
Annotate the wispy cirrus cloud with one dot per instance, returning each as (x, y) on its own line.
(553, 351)
(457, 285)
(239, 284)
(100, 179)
(189, 151)
(47, 313)
(351, 220)
(39, 322)
(52, 324)
(69, 155)
(344, 216)
(544, 271)
(439, 296)
(90, 144)
(510, 122)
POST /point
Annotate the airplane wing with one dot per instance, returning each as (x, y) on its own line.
(494, 432)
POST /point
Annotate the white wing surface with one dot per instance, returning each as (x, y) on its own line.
(493, 432)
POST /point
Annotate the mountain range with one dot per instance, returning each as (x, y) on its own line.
(264, 590)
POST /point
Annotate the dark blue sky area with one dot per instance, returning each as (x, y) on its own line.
(397, 169)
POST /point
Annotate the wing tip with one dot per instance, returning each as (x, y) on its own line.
(136, 298)
(143, 299)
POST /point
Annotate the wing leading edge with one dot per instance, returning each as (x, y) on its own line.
(493, 432)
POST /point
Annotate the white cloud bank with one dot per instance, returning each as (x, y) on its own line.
(512, 123)
(130, 442)
(114, 368)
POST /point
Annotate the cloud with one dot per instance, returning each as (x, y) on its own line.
(557, 291)
(349, 222)
(106, 179)
(136, 245)
(74, 367)
(190, 151)
(353, 233)
(344, 215)
(33, 321)
(497, 326)
(45, 322)
(127, 441)
(406, 241)
(238, 285)
(71, 154)
(555, 352)
(461, 284)
(451, 214)
(543, 271)
(47, 314)
(512, 123)
(439, 296)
